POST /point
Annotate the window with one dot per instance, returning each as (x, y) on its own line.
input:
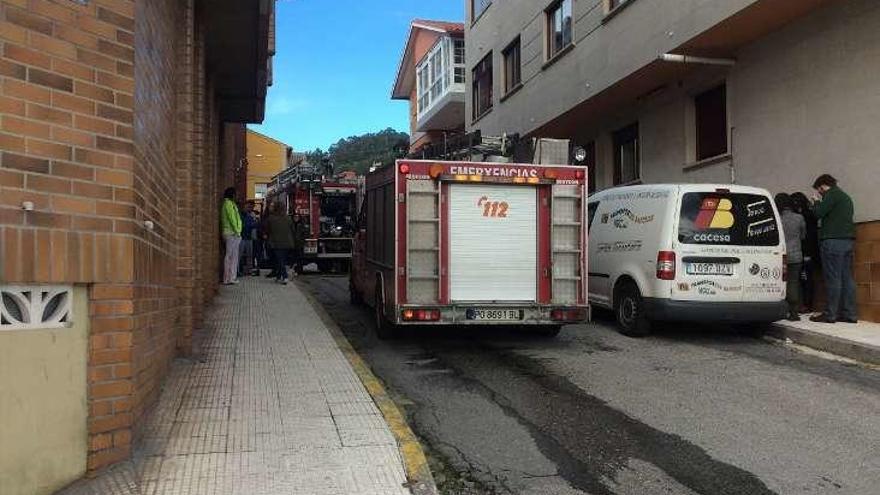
(626, 155)
(610, 5)
(728, 219)
(559, 27)
(482, 87)
(591, 213)
(512, 66)
(710, 116)
(436, 74)
(458, 61)
(438, 70)
(260, 191)
(478, 7)
(423, 91)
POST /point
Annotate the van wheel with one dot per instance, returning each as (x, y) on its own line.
(630, 312)
(385, 330)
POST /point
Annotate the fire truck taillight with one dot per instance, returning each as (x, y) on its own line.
(580, 174)
(404, 169)
(421, 315)
(568, 314)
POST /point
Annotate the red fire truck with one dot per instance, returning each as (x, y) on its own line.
(461, 243)
(327, 206)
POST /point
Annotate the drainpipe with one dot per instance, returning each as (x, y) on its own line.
(688, 59)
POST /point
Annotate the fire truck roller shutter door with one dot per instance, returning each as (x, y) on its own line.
(493, 243)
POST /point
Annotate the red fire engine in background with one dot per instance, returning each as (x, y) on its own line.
(326, 204)
(467, 243)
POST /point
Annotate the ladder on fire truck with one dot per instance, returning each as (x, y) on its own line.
(423, 240)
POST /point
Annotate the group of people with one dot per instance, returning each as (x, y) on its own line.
(820, 233)
(246, 237)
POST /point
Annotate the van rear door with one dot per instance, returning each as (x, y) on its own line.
(729, 245)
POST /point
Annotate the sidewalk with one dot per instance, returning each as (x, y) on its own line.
(271, 406)
(860, 341)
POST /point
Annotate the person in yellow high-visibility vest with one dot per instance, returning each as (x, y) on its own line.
(230, 228)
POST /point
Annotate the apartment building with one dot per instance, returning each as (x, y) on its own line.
(431, 76)
(266, 158)
(117, 137)
(770, 93)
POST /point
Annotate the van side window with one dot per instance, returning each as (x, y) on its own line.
(591, 213)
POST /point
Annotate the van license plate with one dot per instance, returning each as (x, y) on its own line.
(310, 250)
(495, 314)
(725, 269)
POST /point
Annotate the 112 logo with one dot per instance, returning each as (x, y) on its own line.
(493, 209)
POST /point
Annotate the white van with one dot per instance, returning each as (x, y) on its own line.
(686, 252)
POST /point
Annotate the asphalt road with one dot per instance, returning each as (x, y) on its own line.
(687, 411)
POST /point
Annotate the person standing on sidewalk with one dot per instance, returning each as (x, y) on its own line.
(230, 228)
(795, 229)
(248, 235)
(810, 250)
(280, 231)
(299, 238)
(837, 234)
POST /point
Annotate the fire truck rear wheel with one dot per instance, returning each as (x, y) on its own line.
(385, 330)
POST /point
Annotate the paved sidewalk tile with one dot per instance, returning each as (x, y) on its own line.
(271, 407)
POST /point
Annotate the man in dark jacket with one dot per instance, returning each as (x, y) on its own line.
(279, 229)
(837, 234)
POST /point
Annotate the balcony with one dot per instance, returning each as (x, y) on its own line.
(440, 78)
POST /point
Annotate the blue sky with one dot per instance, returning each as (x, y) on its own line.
(335, 66)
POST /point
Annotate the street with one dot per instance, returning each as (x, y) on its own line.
(686, 411)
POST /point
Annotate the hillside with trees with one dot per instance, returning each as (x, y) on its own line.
(359, 153)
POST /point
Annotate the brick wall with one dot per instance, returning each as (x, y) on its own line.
(108, 119)
(155, 197)
(67, 128)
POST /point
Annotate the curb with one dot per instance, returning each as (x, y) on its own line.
(418, 473)
(828, 343)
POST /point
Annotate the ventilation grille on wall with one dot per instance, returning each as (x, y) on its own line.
(36, 307)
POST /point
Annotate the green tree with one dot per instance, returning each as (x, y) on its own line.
(359, 153)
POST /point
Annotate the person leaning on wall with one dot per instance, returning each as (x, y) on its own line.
(230, 228)
(837, 234)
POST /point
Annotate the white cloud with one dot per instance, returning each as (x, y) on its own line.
(281, 105)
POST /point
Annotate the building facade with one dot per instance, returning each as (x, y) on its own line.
(266, 158)
(770, 93)
(431, 78)
(117, 130)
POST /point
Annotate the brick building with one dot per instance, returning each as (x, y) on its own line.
(121, 122)
(431, 77)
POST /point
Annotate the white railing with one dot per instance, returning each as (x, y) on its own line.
(441, 71)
